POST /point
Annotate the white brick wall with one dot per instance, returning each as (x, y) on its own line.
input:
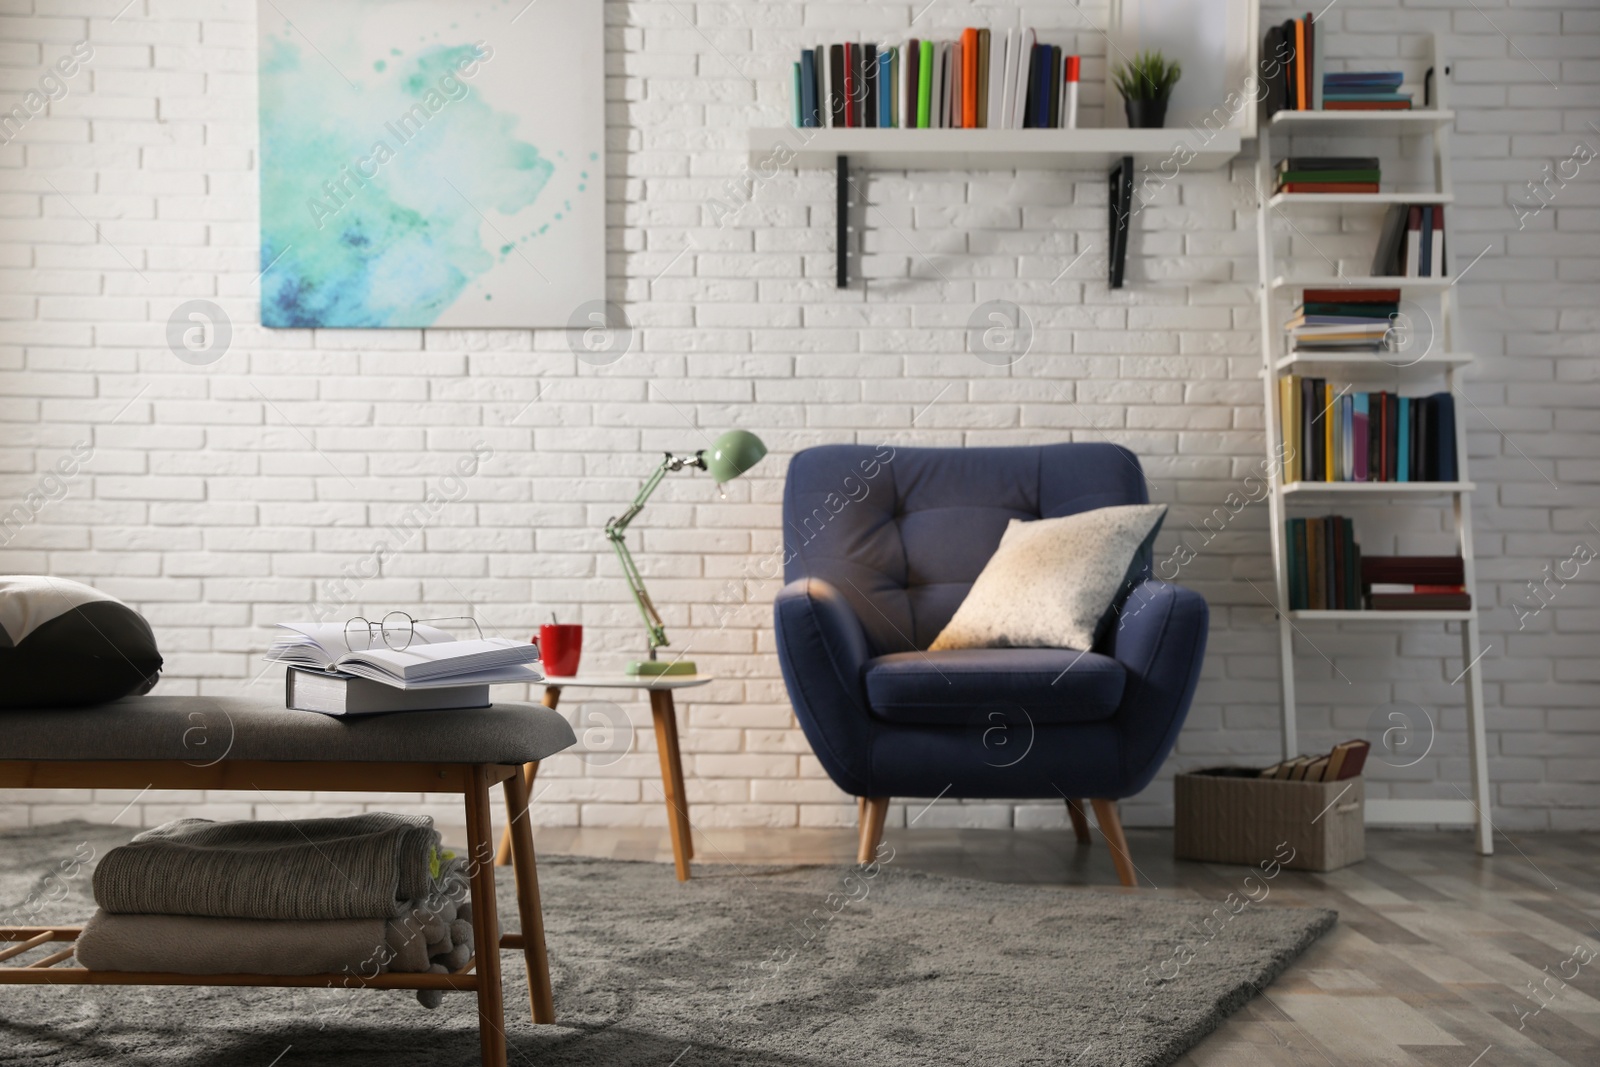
(222, 498)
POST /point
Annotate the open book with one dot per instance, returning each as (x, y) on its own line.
(434, 659)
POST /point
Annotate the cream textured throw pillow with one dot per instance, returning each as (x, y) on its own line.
(1051, 581)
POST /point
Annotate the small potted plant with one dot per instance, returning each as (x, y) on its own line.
(1146, 83)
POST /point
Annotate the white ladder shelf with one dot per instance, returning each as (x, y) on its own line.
(1275, 288)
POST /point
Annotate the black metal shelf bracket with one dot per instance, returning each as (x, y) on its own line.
(1120, 197)
(841, 243)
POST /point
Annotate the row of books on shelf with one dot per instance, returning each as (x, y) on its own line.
(1411, 242)
(1327, 572)
(1328, 174)
(1297, 79)
(1331, 434)
(980, 80)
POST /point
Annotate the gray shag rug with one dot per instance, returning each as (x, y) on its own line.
(770, 966)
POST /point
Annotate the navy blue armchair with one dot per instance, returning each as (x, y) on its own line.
(881, 545)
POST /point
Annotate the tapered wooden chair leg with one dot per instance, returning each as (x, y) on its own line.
(1080, 820)
(1105, 813)
(873, 812)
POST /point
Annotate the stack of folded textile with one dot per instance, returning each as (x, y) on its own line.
(359, 895)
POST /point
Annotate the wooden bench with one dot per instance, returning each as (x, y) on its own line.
(215, 743)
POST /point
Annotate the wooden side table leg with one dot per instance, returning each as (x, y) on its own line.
(677, 777)
(534, 955)
(485, 925)
(666, 723)
(502, 856)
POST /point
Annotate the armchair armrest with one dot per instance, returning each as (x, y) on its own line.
(822, 650)
(1160, 637)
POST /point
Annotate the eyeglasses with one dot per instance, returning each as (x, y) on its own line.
(396, 632)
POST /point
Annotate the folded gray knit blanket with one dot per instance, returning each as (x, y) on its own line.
(372, 866)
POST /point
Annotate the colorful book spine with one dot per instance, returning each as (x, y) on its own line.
(925, 86)
(798, 91)
(850, 89)
(808, 89)
(885, 88)
(1360, 432)
(1069, 118)
(1403, 448)
(969, 79)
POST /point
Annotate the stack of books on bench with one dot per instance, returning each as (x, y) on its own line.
(434, 672)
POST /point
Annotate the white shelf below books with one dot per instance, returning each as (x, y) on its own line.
(1360, 123)
(1377, 363)
(1298, 200)
(946, 149)
(1376, 488)
(1381, 616)
(1351, 281)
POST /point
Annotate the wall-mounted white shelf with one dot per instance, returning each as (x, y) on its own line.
(896, 149)
(1118, 151)
(1355, 199)
(1360, 123)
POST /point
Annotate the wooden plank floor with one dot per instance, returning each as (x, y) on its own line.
(1441, 958)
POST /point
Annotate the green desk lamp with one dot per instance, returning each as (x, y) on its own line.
(729, 456)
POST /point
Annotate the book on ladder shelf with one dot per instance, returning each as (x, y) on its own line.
(1360, 371)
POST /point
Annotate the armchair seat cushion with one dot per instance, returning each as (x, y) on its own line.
(952, 688)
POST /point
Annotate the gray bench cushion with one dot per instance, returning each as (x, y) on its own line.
(203, 730)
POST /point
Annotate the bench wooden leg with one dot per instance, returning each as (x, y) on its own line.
(485, 925)
(533, 948)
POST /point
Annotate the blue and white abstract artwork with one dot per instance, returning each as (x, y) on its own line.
(431, 163)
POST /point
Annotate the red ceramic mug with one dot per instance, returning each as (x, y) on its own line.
(560, 645)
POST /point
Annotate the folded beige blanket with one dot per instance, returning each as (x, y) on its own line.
(435, 938)
(370, 866)
(186, 944)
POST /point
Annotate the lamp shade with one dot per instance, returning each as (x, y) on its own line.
(733, 453)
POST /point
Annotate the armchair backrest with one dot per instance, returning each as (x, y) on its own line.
(902, 533)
